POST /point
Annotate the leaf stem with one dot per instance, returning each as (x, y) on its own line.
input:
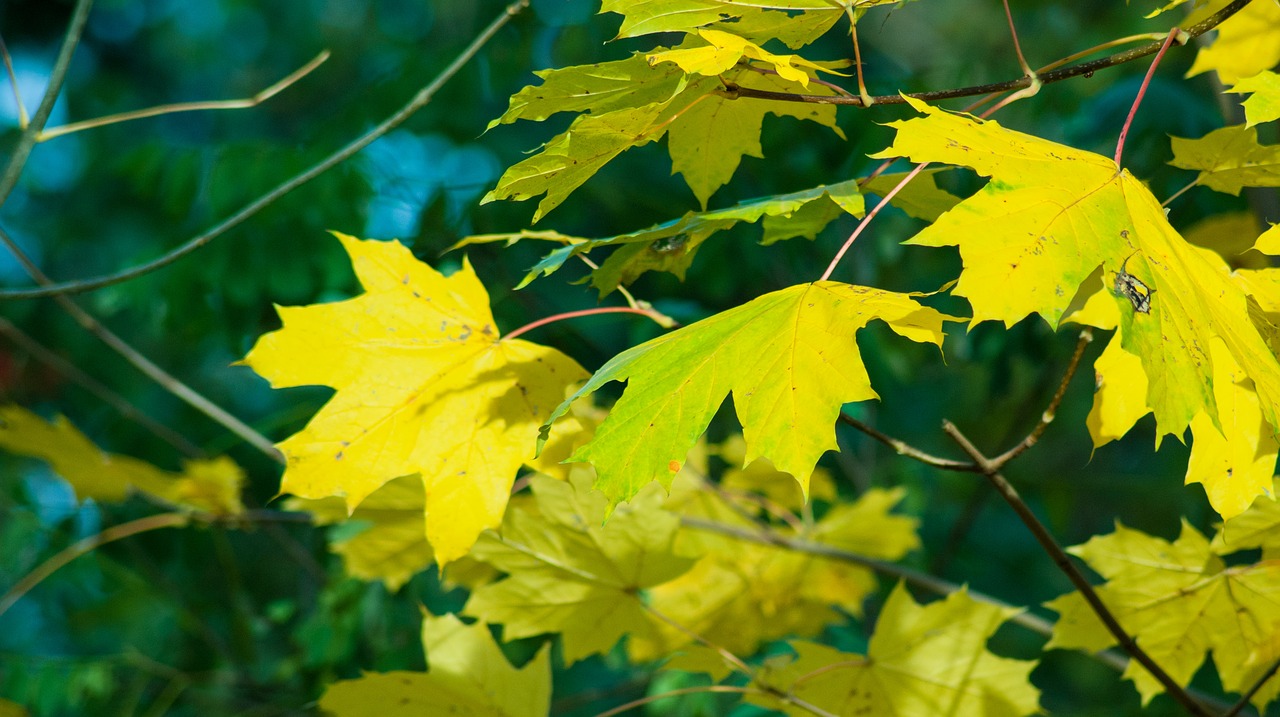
(584, 312)
(86, 545)
(58, 75)
(246, 103)
(867, 219)
(1063, 561)
(420, 100)
(1186, 188)
(1243, 702)
(1142, 91)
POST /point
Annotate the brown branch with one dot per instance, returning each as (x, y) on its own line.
(420, 100)
(903, 448)
(1086, 337)
(1248, 695)
(1085, 68)
(1063, 561)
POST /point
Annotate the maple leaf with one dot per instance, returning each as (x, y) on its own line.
(741, 595)
(212, 486)
(756, 20)
(1229, 159)
(1247, 42)
(424, 386)
(1049, 217)
(921, 661)
(725, 50)
(467, 674)
(790, 360)
(1180, 602)
(1264, 106)
(1257, 527)
(571, 572)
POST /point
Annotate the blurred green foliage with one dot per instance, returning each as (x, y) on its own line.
(255, 622)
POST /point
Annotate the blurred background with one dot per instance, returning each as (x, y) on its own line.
(256, 622)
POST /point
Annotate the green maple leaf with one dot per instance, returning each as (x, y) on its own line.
(1229, 159)
(572, 573)
(467, 674)
(1052, 215)
(1180, 602)
(1264, 106)
(922, 661)
(790, 360)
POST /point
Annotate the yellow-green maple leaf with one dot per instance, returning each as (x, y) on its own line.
(212, 486)
(1180, 602)
(424, 386)
(790, 360)
(1049, 217)
(922, 661)
(1247, 42)
(1229, 159)
(571, 572)
(467, 675)
(1264, 105)
(1257, 527)
(795, 22)
(725, 50)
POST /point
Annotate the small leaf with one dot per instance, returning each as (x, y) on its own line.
(1229, 159)
(571, 572)
(467, 674)
(424, 386)
(1264, 106)
(789, 359)
(922, 661)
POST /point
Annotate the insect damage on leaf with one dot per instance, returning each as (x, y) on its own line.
(1132, 288)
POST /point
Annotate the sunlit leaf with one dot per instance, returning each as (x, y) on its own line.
(1264, 105)
(1229, 159)
(724, 50)
(1247, 42)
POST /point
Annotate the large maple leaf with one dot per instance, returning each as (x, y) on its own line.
(922, 661)
(790, 360)
(1180, 602)
(425, 385)
(1050, 216)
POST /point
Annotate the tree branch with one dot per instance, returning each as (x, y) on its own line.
(1085, 68)
(1063, 561)
(419, 101)
(1086, 337)
(903, 448)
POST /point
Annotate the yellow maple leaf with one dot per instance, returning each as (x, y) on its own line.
(424, 386)
(1247, 43)
(1180, 602)
(212, 486)
(725, 50)
(1257, 527)
(1049, 218)
(467, 674)
(1264, 106)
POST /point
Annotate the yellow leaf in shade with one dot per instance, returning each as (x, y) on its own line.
(1264, 106)
(790, 360)
(724, 51)
(922, 661)
(1229, 159)
(741, 595)
(1257, 527)
(1232, 235)
(424, 386)
(12, 709)
(467, 675)
(212, 486)
(1180, 602)
(1049, 218)
(393, 545)
(571, 572)
(1247, 42)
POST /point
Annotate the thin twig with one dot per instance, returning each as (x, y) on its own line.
(738, 663)
(1086, 337)
(1142, 91)
(23, 119)
(1017, 46)
(903, 448)
(1086, 69)
(27, 140)
(584, 312)
(98, 389)
(641, 702)
(420, 100)
(246, 103)
(1248, 695)
(1063, 561)
(86, 545)
(152, 371)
